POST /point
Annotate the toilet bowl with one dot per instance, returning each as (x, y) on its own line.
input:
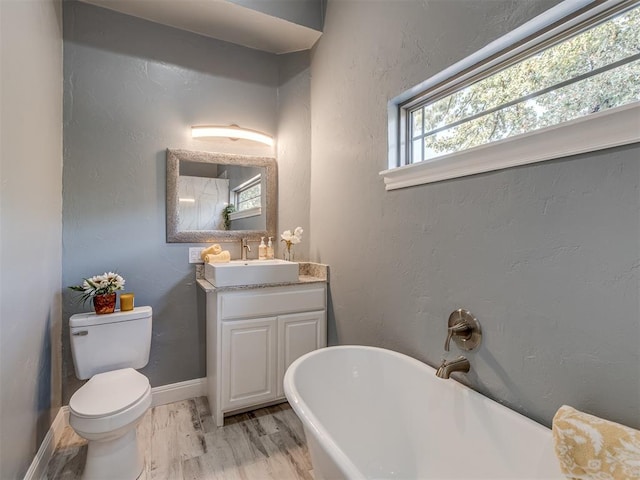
(106, 411)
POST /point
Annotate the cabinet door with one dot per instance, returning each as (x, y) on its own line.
(298, 333)
(248, 362)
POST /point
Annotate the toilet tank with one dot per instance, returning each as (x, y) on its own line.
(101, 343)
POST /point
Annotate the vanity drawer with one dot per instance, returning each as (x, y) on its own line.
(275, 301)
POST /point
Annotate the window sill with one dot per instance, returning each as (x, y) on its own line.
(611, 128)
(249, 212)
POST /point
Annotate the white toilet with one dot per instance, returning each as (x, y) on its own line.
(107, 409)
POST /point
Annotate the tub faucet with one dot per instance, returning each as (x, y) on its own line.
(460, 364)
(245, 248)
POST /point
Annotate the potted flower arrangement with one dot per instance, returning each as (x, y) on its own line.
(289, 240)
(101, 289)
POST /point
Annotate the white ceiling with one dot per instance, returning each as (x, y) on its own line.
(221, 19)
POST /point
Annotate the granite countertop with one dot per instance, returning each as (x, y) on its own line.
(308, 273)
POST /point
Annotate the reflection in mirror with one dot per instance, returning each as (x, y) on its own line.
(213, 197)
(222, 197)
(201, 202)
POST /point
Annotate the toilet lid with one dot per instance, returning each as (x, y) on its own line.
(108, 393)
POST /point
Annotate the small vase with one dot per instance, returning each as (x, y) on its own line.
(104, 303)
(288, 254)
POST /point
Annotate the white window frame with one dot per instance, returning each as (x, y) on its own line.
(606, 129)
(247, 212)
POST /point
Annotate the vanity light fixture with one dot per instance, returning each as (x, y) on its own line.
(233, 132)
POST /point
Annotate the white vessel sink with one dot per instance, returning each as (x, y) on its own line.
(250, 272)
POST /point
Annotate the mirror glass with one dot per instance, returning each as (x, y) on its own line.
(215, 197)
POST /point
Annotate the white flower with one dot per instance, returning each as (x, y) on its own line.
(294, 237)
(106, 283)
(114, 279)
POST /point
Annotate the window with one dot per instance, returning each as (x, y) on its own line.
(248, 194)
(247, 198)
(546, 78)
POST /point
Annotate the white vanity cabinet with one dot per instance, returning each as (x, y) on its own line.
(253, 335)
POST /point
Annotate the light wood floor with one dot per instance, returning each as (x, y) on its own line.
(181, 441)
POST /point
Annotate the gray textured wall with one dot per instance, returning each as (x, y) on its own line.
(132, 89)
(30, 228)
(546, 256)
(294, 148)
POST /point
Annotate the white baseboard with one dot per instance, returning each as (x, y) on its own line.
(161, 395)
(176, 392)
(48, 445)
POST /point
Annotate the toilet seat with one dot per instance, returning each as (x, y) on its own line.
(109, 393)
(120, 399)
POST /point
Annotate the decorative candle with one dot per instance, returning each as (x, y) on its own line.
(126, 302)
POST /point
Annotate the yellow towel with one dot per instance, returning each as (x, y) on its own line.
(214, 249)
(589, 447)
(222, 257)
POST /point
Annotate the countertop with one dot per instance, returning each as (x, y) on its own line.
(309, 272)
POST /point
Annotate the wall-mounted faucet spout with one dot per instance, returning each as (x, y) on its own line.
(460, 364)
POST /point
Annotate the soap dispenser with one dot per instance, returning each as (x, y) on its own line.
(270, 254)
(262, 250)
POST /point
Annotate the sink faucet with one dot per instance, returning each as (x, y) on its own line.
(460, 364)
(244, 249)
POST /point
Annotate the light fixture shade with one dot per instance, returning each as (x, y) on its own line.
(231, 131)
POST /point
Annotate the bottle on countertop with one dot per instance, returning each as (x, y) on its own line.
(270, 253)
(262, 250)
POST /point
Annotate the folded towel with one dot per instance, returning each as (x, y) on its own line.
(589, 447)
(214, 249)
(222, 257)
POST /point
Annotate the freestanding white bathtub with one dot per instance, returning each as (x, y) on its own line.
(377, 414)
